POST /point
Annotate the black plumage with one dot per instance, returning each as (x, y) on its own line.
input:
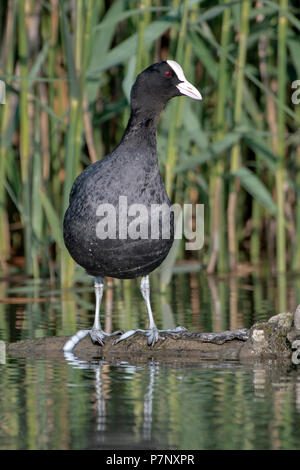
(131, 170)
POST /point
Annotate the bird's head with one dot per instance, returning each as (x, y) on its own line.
(157, 84)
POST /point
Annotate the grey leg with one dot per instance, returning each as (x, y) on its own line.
(145, 290)
(152, 332)
(96, 333)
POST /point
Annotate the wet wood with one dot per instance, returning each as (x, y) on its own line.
(265, 340)
(187, 345)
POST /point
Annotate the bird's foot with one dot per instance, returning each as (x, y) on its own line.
(99, 336)
(152, 334)
(178, 329)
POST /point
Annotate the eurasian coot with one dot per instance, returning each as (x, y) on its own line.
(109, 227)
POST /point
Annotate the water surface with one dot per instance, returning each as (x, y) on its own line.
(72, 404)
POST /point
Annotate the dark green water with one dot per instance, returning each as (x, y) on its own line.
(72, 404)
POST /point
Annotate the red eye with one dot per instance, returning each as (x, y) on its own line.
(168, 74)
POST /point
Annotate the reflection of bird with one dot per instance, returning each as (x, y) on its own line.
(123, 184)
(102, 436)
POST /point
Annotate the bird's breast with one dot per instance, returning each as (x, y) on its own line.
(120, 223)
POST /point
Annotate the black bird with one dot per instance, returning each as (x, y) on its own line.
(124, 184)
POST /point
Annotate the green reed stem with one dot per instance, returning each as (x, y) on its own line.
(73, 142)
(280, 170)
(5, 110)
(235, 153)
(141, 61)
(24, 133)
(296, 258)
(83, 34)
(218, 253)
(36, 204)
(53, 143)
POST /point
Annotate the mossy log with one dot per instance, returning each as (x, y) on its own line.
(273, 339)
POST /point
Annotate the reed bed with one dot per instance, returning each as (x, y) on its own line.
(68, 67)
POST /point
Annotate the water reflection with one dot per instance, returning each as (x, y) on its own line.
(76, 404)
(99, 368)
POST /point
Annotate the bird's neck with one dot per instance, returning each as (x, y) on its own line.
(142, 124)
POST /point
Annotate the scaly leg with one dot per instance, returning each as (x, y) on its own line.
(96, 333)
(152, 332)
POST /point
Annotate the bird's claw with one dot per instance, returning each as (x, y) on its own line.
(99, 336)
(152, 334)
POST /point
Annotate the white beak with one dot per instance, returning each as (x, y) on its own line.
(185, 87)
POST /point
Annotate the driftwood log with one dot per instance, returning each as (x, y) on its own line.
(278, 338)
